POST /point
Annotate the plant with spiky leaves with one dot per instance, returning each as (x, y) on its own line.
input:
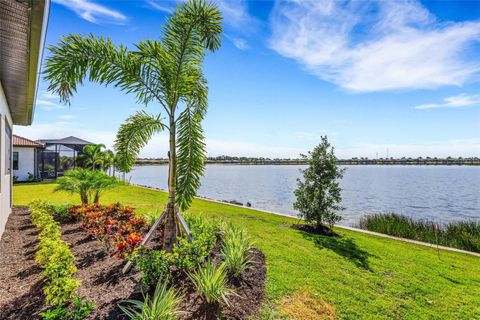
(167, 72)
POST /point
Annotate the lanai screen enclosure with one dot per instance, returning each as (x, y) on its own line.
(59, 155)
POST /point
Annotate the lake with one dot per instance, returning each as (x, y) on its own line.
(441, 193)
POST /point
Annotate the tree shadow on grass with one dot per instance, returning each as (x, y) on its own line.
(342, 246)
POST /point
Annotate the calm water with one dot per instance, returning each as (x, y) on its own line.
(442, 193)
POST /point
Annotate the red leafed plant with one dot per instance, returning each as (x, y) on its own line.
(112, 224)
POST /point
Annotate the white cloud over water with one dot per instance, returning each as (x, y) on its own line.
(366, 46)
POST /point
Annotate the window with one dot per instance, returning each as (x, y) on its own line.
(8, 148)
(15, 161)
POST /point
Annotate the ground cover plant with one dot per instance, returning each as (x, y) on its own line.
(164, 304)
(360, 276)
(235, 250)
(113, 225)
(462, 234)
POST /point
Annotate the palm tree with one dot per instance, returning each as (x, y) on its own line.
(92, 155)
(107, 159)
(167, 72)
(88, 184)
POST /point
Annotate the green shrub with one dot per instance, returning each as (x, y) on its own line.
(164, 305)
(211, 283)
(461, 235)
(154, 264)
(189, 254)
(79, 309)
(54, 257)
(236, 246)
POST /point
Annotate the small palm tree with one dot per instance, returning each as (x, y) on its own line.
(89, 184)
(92, 155)
(167, 72)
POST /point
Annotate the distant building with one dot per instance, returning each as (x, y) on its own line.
(25, 158)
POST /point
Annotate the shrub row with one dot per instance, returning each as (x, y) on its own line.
(462, 235)
(114, 225)
(54, 256)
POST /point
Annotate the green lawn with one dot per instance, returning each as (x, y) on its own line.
(362, 276)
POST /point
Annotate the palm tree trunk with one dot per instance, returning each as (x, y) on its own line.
(170, 234)
(84, 199)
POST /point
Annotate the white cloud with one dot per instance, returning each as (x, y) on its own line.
(49, 95)
(239, 43)
(93, 12)
(374, 46)
(235, 13)
(458, 101)
(66, 117)
(47, 105)
(157, 5)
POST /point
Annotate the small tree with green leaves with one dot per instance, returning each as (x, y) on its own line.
(319, 193)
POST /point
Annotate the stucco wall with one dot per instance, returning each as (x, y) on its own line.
(26, 162)
(5, 178)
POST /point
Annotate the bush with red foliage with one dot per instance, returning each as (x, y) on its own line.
(113, 224)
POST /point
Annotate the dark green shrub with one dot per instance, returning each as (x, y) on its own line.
(154, 264)
(187, 255)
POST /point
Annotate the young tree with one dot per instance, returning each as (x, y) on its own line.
(167, 72)
(319, 194)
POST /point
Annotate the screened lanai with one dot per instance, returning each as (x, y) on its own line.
(59, 155)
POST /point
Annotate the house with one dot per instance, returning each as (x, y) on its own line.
(25, 158)
(22, 35)
(58, 156)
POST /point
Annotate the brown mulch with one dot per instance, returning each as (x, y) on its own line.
(322, 230)
(21, 295)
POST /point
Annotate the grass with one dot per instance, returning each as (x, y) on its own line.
(462, 234)
(360, 276)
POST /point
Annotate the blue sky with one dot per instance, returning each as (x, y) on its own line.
(372, 76)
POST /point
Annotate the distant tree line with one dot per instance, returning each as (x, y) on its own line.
(470, 161)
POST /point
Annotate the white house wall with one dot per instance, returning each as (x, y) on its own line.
(5, 179)
(26, 163)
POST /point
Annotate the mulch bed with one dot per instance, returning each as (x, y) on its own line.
(102, 281)
(322, 230)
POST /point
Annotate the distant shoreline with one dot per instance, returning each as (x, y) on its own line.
(355, 161)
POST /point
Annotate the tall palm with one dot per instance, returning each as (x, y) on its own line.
(92, 155)
(168, 72)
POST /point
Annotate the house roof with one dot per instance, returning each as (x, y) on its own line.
(66, 141)
(24, 142)
(22, 35)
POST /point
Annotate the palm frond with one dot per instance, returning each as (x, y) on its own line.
(191, 153)
(133, 135)
(75, 57)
